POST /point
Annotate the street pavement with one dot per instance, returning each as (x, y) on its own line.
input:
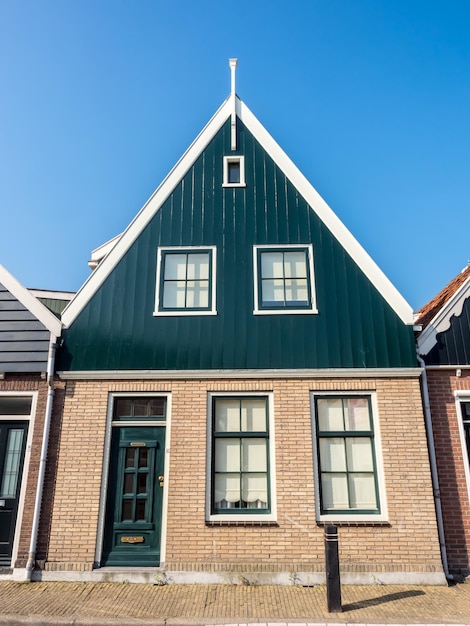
(100, 604)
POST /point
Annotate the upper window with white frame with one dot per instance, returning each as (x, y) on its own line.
(186, 279)
(240, 476)
(283, 279)
(347, 472)
(234, 171)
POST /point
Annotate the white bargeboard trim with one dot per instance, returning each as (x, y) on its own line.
(316, 202)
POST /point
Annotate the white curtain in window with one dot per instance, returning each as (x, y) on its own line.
(357, 414)
(227, 487)
(330, 414)
(272, 265)
(362, 491)
(254, 415)
(227, 455)
(227, 417)
(359, 452)
(174, 295)
(254, 455)
(335, 491)
(332, 455)
(175, 267)
(255, 488)
(273, 290)
(294, 264)
(197, 294)
(296, 290)
(198, 266)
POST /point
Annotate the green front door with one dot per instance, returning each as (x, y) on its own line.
(12, 448)
(134, 502)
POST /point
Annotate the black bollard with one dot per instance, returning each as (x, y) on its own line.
(333, 584)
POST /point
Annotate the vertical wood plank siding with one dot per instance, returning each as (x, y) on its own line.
(354, 327)
(453, 345)
(24, 341)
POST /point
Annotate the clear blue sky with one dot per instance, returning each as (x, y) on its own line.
(370, 99)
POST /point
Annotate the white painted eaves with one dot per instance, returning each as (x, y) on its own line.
(37, 308)
(342, 234)
(441, 321)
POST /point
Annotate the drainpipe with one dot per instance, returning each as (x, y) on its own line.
(42, 462)
(433, 463)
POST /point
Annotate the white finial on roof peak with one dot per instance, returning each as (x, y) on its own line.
(233, 66)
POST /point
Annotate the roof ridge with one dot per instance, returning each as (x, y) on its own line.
(429, 310)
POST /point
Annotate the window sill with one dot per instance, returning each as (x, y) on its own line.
(243, 518)
(351, 519)
(238, 521)
(183, 312)
(355, 523)
(285, 311)
(226, 185)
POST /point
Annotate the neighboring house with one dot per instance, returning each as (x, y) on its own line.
(238, 373)
(28, 337)
(55, 301)
(444, 345)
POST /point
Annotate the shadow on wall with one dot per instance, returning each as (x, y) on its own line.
(50, 476)
(448, 447)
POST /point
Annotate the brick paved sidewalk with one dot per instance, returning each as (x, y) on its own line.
(123, 603)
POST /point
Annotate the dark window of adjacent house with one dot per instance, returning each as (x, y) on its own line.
(465, 406)
(18, 405)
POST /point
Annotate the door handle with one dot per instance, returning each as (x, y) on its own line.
(162, 480)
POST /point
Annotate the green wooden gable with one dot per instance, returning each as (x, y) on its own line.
(112, 325)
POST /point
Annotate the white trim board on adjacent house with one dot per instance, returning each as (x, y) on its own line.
(316, 202)
(37, 308)
(441, 321)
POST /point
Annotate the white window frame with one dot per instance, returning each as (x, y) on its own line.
(460, 397)
(258, 310)
(212, 250)
(242, 517)
(234, 159)
(31, 418)
(350, 516)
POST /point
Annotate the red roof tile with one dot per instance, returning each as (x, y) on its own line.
(427, 312)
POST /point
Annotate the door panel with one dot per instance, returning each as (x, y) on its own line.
(12, 450)
(134, 500)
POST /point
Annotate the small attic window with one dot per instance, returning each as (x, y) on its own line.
(234, 171)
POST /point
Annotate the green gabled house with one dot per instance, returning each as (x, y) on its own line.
(238, 373)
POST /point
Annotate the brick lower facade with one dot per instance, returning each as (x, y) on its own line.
(404, 545)
(25, 384)
(450, 454)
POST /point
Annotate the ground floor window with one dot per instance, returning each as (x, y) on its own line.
(240, 473)
(465, 408)
(346, 455)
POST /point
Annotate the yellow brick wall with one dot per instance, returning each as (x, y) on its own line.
(407, 542)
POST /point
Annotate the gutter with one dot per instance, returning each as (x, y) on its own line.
(42, 463)
(433, 464)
